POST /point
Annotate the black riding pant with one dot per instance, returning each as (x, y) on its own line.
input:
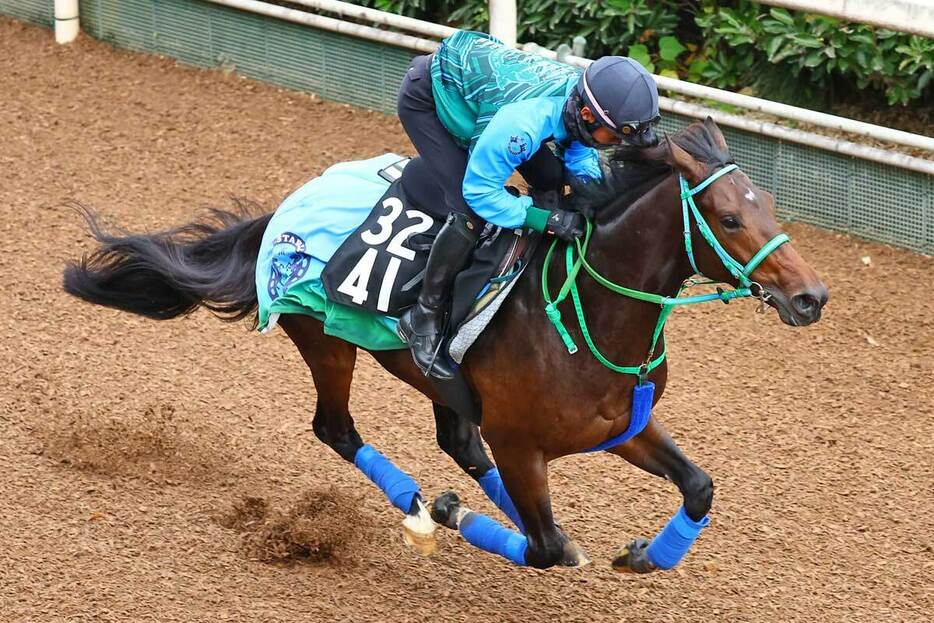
(435, 181)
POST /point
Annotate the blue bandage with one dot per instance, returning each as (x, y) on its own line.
(491, 536)
(671, 544)
(398, 486)
(643, 396)
(492, 485)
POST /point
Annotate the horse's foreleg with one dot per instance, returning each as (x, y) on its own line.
(655, 452)
(461, 440)
(331, 362)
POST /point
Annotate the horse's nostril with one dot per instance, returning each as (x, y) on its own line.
(805, 304)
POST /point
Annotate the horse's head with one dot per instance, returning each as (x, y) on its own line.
(741, 217)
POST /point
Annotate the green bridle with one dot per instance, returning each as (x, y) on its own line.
(742, 273)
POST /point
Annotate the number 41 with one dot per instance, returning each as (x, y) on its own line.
(358, 279)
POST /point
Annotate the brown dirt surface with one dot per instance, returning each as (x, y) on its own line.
(321, 526)
(149, 470)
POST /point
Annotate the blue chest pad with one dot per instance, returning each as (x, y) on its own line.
(642, 398)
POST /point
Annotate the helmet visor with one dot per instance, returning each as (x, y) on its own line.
(634, 133)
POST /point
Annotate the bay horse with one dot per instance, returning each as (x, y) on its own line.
(538, 402)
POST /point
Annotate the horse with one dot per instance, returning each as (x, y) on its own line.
(538, 402)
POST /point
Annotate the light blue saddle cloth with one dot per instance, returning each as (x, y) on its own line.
(301, 237)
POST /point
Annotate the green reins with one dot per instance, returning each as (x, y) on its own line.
(573, 266)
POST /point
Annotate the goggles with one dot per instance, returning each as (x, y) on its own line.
(631, 129)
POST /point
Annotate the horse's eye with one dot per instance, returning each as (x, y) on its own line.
(731, 222)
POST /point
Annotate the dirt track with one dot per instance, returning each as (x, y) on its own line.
(125, 443)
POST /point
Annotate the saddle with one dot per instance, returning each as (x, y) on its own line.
(380, 266)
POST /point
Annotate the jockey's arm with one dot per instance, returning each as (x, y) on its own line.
(507, 141)
(582, 162)
(515, 133)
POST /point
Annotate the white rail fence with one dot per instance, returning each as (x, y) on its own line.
(783, 111)
(907, 15)
(911, 16)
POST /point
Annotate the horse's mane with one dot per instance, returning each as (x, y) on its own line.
(628, 174)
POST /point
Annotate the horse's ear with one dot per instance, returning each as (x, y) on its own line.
(692, 170)
(715, 133)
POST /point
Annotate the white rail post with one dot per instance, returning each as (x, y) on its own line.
(503, 21)
(66, 20)
(563, 52)
(910, 16)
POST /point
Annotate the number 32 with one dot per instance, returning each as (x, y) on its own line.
(355, 285)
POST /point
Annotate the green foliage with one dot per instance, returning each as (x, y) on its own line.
(431, 10)
(790, 56)
(809, 59)
(609, 27)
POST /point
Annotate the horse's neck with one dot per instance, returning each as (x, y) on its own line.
(642, 248)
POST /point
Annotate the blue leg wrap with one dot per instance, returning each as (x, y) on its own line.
(492, 485)
(396, 484)
(671, 544)
(491, 536)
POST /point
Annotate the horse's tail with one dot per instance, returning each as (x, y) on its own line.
(167, 274)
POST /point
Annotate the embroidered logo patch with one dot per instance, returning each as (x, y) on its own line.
(289, 263)
(517, 145)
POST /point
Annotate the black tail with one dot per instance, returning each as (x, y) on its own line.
(168, 274)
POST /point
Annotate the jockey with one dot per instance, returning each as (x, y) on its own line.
(477, 111)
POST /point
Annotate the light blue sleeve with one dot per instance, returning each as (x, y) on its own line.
(582, 161)
(512, 136)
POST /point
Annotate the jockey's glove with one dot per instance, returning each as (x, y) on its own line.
(564, 224)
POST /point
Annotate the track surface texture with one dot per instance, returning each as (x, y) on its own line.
(167, 471)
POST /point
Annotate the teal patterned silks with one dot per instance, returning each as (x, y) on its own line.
(474, 75)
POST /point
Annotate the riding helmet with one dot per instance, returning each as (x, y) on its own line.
(623, 97)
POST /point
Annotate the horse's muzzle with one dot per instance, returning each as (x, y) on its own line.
(803, 308)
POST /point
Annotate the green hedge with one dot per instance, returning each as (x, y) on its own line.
(740, 45)
(828, 59)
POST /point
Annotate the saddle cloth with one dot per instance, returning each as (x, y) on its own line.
(349, 249)
(379, 267)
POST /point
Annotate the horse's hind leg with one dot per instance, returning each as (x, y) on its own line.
(655, 452)
(460, 439)
(331, 362)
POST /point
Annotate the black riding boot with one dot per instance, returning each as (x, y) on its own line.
(422, 325)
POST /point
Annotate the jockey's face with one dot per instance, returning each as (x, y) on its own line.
(601, 134)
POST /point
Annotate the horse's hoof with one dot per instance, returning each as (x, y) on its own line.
(574, 555)
(634, 558)
(418, 531)
(444, 510)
